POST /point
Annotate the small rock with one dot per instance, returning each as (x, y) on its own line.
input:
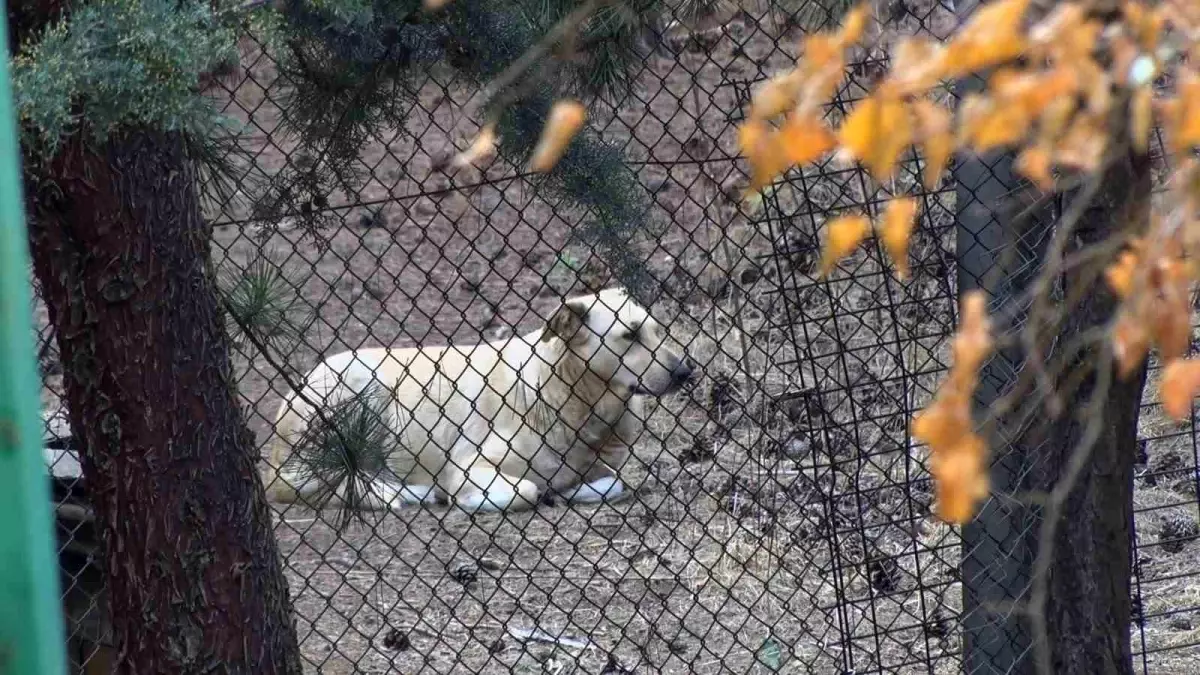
(465, 573)
(1181, 623)
(397, 641)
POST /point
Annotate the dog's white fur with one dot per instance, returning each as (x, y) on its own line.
(493, 426)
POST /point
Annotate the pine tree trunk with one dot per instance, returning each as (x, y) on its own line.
(1088, 609)
(193, 568)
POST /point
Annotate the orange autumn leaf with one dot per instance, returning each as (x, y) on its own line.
(563, 123)
(936, 138)
(805, 139)
(1141, 118)
(960, 479)
(481, 149)
(776, 95)
(1170, 316)
(1183, 114)
(991, 36)
(1119, 275)
(876, 132)
(1034, 162)
(941, 424)
(1146, 24)
(764, 155)
(1180, 384)
(973, 340)
(854, 24)
(1053, 121)
(918, 65)
(1084, 143)
(845, 233)
(987, 124)
(1130, 343)
(899, 219)
(1033, 92)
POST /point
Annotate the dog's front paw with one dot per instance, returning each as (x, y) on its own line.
(606, 489)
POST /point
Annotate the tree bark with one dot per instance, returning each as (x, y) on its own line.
(122, 254)
(1088, 607)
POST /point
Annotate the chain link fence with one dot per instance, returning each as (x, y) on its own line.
(780, 517)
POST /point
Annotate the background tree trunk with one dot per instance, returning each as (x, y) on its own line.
(1088, 609)
(122, 255)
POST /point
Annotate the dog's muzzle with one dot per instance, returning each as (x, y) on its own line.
(681, 375)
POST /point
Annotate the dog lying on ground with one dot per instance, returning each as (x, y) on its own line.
(497, 425)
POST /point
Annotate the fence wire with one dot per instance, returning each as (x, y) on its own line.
(778, 515)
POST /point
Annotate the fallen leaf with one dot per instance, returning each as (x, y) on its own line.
(899, 219)
(844, 234)
(565, 120)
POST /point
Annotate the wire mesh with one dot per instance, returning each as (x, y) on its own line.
(779, 513)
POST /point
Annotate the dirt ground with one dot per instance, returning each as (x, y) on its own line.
(779, 514)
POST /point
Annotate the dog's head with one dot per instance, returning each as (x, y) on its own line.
(621, 343)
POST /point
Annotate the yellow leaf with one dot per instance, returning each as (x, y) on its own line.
(917, 65)
(960, 479)
(876, 132)
(482, 148)
(940, 425)
(822, 67)
(1130, 343)
(1180, 384)
(973, 340)
(1033, 162)
(804, 139)
(1084, 143)
(564, 121)
(898, 222)
(854, 24)
(1120, 274)
(1141, 118)
(844, 234)
(1053, 121)
(1185, 116)
(936, 138)
(986, 124)
(1033, 92)
(991, 36)
(776, 96)
(763, 153)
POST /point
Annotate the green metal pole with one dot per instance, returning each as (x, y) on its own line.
(31, 629)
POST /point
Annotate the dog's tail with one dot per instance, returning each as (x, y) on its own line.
(337, 455)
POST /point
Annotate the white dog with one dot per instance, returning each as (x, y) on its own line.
(494, 426)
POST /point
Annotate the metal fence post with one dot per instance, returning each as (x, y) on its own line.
(31, 631)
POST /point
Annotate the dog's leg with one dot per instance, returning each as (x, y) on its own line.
(599, 485)
(392, 495)
(485, 489)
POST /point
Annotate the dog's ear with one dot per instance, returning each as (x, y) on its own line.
(567, 323)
